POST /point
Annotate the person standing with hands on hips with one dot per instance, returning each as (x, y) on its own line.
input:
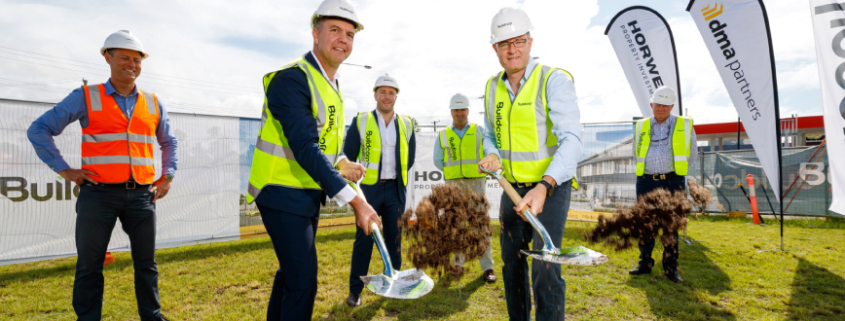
(534, 135)
(117, 179)
(298, 160)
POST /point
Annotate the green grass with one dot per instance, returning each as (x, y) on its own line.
(726, 279)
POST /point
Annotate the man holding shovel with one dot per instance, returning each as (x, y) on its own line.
(665, 148)
(457, 153)
(533, 134)
(385, 143)
(298, 159)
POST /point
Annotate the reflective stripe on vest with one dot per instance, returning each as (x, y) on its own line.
(461, 155)
(273, 161)
(117, 148)
(522, 127)
(370, 152)
(680, 144)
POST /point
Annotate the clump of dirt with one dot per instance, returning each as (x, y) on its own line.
(451, 220)
(655, 211)
(701, 197)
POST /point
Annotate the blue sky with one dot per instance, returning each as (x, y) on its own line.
(210, 57)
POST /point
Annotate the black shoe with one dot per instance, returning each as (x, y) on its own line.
(159, 317)
(674, 276)
(640, 270)
(354, 299)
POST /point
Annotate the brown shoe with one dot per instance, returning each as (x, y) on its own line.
(490, 276)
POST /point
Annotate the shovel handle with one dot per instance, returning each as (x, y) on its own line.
(528, 216)
(382, 249)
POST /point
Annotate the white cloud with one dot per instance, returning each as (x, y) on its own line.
(434, 49)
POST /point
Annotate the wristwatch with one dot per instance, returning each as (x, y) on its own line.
(168, 177)
(549, 187)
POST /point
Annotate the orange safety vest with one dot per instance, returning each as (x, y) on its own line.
(117, 148)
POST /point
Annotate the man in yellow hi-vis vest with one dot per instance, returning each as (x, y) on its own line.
(457, 152)
(298, 160)
(384, 143)
(665, 148)
(534, 135)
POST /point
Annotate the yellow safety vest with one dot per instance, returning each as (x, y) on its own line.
(461, 155)
(680, 144)
(273, 162)
(370, 152)
(522, 127)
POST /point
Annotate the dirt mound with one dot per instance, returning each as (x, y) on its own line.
(451, 220)
(655, 211)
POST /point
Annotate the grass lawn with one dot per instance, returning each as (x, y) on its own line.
(725, 279)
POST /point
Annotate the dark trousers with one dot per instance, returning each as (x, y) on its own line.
(385, 200)
(548, 285)
(295, 286)
(97, 210)
(647, 184)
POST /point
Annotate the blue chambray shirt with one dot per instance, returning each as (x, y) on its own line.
(566, 123)
(438, 150)
(74, 108)
(659, 158)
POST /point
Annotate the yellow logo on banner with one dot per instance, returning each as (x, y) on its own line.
(709, 13)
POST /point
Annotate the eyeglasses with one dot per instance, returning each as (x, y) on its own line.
(518, 43)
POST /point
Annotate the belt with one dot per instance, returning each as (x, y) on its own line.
(660, 177)
(386, 180)
(125, 185)
(524, 185)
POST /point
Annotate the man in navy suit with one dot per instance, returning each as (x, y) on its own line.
(385, 144)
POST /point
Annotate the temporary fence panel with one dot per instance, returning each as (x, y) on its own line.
(37, 207)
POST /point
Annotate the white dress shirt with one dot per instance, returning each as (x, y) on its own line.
(388, 147)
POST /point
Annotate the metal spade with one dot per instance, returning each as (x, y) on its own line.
(407, 284)
(578, 255)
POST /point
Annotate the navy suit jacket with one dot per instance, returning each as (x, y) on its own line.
(289, 100)
(352, 147)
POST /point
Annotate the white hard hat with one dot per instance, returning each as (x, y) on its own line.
(336, 8)
(509, 23)
(664, 96)
(459, 101)
(388, 81)
(123, 39)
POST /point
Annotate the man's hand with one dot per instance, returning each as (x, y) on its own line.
(160, 188)
(490, 162)
(351, 171)
(78, 176)
(535, 198)
(364, 214)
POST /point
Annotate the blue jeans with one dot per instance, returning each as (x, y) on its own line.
(647, 184)
(97, 210)
(548, 285)
(295, 285)
(385, 201)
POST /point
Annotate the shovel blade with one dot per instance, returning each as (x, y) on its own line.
(407, 284)
(578, 255)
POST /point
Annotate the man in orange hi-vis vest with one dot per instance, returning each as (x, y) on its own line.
(117, 180)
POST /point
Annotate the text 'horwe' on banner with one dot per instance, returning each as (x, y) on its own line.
(829, 26)
(645, 48)
(737, 35)
(426, 175)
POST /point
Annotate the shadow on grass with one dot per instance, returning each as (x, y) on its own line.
(441, 302)
(817, 294)
(172, 255)
(679, 300)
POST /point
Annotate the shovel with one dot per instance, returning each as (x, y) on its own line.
(407, 284)
(578, 255)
